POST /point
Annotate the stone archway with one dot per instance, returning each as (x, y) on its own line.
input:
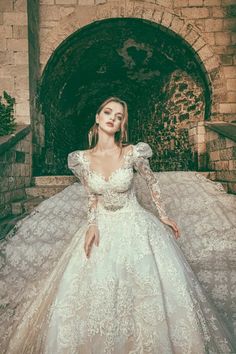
(58, 45)
(180, 26)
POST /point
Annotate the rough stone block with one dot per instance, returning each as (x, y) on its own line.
(98, 2)
(210, 37)
(22, 109)
(222, 165)
(218, 12)
(230, 72)
(27, 170)
(192, 36)
(3, 44)
(195, 12)
(214, 155)
(211, 63)
(20, 32)
(18, 71)
(177, 24)
(46, 2)
(205, 53)
(222, 38)
(199, 43)
(233, 38)
(21, 58)
(6, 58)
(166, 19)
(226, 154)
(148, 12)
(166, 3)
(232, 165)
(50, 13)
(231, 84)
(7, 84)
(229, 24)
(17, 45)
(5, 31)
(15, 18)
(65, 11)
(201, 138)
(227, 59)
(227, 107)
(214, 25)
(20, 5)
(195, 2)
(157, 15)
(6, 5)
(229, 143)
(231, 96)
(212, 2)
(228, 2)
(180, 3)
(86, 2)
(22, 83)
(66, 2)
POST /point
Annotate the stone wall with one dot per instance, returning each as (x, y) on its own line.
(15, 168)
(208, 25)
(221, 153)
(14, 75)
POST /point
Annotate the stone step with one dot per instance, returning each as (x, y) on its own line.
(8, 223)
(53, 180)
(45, 191)
(31, 203)
(25, 205)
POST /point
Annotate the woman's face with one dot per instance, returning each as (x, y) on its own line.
(110, 117)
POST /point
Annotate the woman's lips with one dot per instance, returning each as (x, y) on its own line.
(110, 124)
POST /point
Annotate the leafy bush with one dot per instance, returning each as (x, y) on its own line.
(7, 119)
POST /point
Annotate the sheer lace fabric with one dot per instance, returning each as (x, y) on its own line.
(135, 294)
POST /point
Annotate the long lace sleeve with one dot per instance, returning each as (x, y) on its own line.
(142, 151)
(76, 166)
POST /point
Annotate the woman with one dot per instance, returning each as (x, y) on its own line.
(122, 285)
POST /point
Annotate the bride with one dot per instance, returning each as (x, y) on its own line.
(122, 285)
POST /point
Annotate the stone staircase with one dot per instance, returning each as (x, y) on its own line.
(44, 187)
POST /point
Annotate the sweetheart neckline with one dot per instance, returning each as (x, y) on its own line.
(97, 173)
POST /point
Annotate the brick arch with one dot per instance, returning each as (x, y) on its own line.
(86, 15)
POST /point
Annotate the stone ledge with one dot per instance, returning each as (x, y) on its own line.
(7, 141)
(223, 128)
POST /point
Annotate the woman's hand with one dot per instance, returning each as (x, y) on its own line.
(173, 225)
(92, 235)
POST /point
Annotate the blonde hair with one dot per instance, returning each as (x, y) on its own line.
(121, 136)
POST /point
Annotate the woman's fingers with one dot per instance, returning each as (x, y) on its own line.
(88, 244)
(96, 240)
(176, 230)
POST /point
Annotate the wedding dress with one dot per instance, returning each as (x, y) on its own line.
(136, 294)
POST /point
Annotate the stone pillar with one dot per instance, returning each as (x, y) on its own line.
(197, 139)
(14, 74)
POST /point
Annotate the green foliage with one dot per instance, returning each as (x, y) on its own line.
(7, 119)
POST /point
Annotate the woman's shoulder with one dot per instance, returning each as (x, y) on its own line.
(142, 149)
(74, 158)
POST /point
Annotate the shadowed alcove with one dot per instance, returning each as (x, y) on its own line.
(154, 70)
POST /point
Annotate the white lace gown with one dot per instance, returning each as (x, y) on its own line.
(136, 294)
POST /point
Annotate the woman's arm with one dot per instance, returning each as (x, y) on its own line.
(141, 164)
(76, 166)
(143, 167)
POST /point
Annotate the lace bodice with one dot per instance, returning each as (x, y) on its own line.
(117, 191)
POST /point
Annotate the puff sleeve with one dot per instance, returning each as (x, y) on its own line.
(143, 151)
(75, 164)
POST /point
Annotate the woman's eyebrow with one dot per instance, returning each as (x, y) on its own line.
(111, 110)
